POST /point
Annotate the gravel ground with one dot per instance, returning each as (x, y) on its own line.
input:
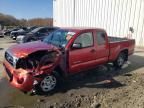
(103, 87)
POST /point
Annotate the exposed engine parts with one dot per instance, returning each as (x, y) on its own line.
(37, 61)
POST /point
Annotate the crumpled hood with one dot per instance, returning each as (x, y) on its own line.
(22, 50)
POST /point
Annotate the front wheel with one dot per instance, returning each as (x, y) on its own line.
(119, 62)
(48, 84)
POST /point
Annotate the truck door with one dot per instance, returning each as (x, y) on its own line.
(82, 53)
(102, 47)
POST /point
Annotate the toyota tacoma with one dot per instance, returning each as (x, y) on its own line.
(39, 65)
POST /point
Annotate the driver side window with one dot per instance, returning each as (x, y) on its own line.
(85, 39)
(42, 31)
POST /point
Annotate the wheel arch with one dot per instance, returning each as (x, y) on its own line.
(125, 51)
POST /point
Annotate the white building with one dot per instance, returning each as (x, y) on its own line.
(116, 16)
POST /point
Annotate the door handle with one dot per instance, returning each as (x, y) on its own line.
(93, 50)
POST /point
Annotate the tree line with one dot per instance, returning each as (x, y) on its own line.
(8, 20)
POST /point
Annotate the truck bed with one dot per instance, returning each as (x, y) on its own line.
(116, 39)
(117, 44)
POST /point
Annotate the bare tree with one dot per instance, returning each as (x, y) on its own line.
(8, 20)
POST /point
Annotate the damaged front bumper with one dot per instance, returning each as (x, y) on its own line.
(19, 78)
(24, 79)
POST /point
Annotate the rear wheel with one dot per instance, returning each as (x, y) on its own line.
(121, 59)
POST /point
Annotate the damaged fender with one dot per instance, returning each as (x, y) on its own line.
(23, 78)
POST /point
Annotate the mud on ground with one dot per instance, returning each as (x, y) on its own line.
(103, 87)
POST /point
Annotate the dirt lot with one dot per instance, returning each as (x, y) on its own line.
(103, 87)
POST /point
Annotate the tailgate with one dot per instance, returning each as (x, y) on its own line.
(131, 46)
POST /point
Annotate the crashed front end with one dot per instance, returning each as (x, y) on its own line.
(25, 71)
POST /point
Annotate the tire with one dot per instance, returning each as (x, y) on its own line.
(121, 59)
(48, 84)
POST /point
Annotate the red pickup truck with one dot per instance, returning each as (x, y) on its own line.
(64, 52)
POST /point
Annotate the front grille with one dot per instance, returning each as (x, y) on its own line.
(9, 58)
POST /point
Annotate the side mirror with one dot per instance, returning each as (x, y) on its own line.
(77, 46)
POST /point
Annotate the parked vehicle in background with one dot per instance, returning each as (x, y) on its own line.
(22, 31)
(14, 34)
(1, 33)
(40, 65)
(37, 34)
(8, 32)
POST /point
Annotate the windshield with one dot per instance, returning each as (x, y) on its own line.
(20, 30)
(59, 38)
(32, 28)
(36, 29)
(15, 29)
